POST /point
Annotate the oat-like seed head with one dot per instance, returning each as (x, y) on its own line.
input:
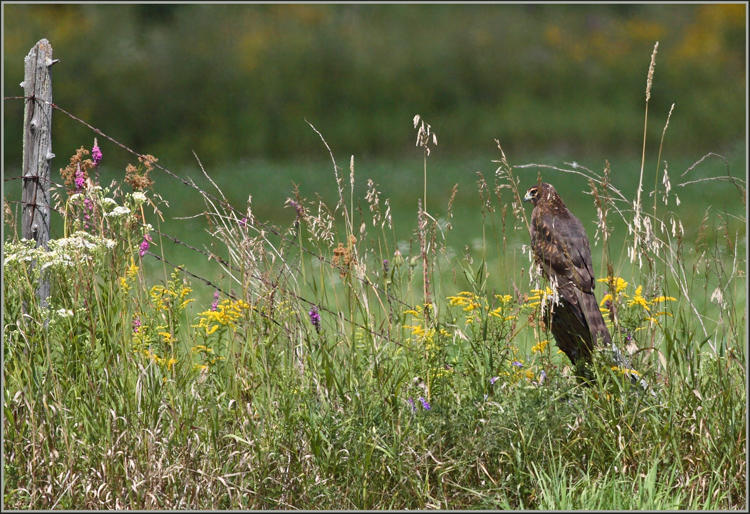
(650, 79)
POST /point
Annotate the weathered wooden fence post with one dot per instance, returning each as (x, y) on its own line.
(37, 149)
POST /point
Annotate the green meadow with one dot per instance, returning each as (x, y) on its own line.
(142, 386)
(352, 320)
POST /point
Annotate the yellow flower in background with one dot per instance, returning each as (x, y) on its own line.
(619, 283)
(539, 295)
(660, 299)
(638, 299)
(226, 314)
(130, 274)
(132, 270)
(167, 337)
(161, 297)
(466, 299)
(623, 370)
(416, 330)
(540, 346)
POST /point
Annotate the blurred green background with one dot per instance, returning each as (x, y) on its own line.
(235, 83)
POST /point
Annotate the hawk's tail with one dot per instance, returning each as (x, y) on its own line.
(595, 321)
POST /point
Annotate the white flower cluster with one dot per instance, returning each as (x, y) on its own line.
(118, 212)
(62, 253)
(138, 197)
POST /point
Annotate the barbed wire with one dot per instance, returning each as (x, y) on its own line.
(224, 203)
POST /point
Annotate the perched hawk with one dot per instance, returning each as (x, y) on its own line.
(561, 248)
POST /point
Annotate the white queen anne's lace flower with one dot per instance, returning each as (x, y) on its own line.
(118, 212)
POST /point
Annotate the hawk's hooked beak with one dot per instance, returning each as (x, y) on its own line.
(528, 197)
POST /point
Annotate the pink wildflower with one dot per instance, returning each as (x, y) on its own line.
(80, 180)
(96, 153)
(144, 245)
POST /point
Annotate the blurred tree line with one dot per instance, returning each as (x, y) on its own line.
(237, 81)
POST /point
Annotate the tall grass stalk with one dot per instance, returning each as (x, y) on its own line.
(637, 206)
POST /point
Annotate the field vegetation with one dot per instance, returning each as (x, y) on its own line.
(256, 337)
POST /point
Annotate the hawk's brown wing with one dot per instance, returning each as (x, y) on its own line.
(562, 248)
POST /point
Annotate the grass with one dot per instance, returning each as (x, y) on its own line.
(139, 389)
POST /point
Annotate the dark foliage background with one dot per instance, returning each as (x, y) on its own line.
(237, 81)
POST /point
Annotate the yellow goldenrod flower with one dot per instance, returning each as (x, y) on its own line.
(607, 298)
(623, 371)
(124, 284)
(619, 283)
(539, 295)
(540, 346)
(660, 299)
(638, 299)
(227, 313)
(132, 270)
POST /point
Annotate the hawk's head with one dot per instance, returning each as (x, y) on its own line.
(542, 191)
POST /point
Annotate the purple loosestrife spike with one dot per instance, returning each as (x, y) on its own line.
(517, 364)
(80, 181)
(96, 153)
(215, 304)
(243, 222)
(136, 324)
(425, 403)
(144, 245)
(411, 404)
(315, 318)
